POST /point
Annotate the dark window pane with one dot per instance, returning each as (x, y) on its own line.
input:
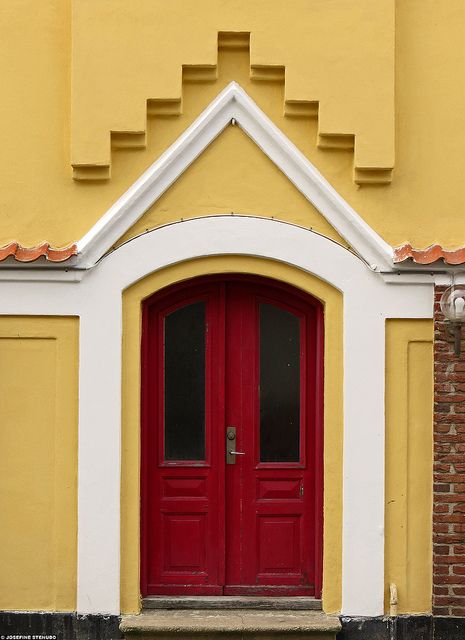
(185, 383)
(279, 385)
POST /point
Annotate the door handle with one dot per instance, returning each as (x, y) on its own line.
(231, 453)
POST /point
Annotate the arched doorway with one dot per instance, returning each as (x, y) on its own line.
(232, 376)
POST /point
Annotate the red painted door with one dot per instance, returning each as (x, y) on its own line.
(231, 440)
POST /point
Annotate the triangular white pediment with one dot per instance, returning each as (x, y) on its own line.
(233, 104)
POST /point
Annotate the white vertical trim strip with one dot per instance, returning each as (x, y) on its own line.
(363, 481)
(98, 584)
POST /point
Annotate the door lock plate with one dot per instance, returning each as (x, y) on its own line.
(230, 445)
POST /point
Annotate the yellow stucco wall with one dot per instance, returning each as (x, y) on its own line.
(332, 300)
(40, 201)
(409, 465)
(38, 474)
(233, 171)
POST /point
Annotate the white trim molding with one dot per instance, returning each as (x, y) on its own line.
(97, 299)
(234, 105)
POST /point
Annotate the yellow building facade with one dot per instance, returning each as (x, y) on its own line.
(147, 145)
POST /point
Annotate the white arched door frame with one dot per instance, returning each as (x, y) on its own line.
(368, 301)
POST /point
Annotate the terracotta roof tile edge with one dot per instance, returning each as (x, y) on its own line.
(29, 254)
(429, 255)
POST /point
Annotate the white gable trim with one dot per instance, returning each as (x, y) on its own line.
(233, 104)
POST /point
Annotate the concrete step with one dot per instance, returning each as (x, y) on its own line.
(194, 624)
(231, 602)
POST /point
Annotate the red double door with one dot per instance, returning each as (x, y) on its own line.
(231, 446)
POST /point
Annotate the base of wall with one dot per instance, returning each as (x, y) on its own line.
(58, 626)
(70, 626)
(402, 628)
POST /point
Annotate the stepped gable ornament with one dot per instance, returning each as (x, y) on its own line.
(232, 106)
(207, 73)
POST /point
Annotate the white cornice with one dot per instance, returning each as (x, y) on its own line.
(234, 105)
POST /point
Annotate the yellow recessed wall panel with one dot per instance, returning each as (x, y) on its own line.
(38, 474)
(409, 463)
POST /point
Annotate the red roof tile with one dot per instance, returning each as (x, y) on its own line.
(405, 252)
(29, 254)
(428, 256)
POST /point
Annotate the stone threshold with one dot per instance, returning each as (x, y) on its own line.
(232, 602)
(200, 623)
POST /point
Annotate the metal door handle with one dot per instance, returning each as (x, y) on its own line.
(230, 444)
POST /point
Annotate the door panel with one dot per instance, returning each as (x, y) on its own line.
(182, 515)
(268, 534)
(242, 358)
(278, 545)
(178, 556)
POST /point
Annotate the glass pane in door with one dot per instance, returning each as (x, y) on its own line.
(279, 385)
(184, 375)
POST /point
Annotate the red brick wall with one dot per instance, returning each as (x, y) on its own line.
(449, 472)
